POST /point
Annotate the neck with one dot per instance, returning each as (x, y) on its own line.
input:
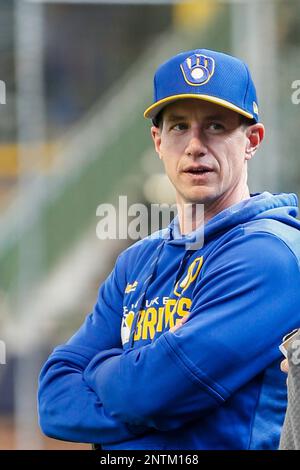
(192, 215)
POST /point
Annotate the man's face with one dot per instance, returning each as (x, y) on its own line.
(204, 149)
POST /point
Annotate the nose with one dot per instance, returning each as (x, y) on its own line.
(196, 146)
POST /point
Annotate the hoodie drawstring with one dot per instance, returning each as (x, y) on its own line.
(146, 284)
(141, 299)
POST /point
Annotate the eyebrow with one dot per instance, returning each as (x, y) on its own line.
(175, 117)
(179, 117)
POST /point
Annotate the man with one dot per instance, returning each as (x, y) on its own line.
(181, 350)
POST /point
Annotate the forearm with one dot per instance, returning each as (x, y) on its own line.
(148, 387)
(69, 409)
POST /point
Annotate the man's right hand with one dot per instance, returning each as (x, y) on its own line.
(284, 366)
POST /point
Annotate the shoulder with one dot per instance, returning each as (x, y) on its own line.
(258, 246)
(288, 235)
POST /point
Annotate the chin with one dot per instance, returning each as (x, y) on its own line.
(202, 196)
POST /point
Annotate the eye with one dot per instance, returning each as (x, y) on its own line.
(179, 126)
(215, 127)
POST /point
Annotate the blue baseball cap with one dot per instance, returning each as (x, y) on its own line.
(206, 75)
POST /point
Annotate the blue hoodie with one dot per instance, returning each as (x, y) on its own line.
(125, 381)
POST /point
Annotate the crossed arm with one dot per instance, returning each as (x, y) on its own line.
(93, 391)
(68, 408)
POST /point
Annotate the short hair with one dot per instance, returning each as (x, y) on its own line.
(246, 122)
(158, 119)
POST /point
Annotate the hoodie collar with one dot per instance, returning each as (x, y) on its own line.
(282, 206)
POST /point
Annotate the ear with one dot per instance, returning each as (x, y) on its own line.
(255, 135)
(156, 136)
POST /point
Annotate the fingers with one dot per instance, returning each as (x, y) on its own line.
(284, 366)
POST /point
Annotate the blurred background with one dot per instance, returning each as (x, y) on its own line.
(78, 76)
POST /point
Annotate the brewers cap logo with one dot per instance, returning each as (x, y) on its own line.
(198, 69)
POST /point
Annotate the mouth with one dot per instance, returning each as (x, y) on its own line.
(198, 170)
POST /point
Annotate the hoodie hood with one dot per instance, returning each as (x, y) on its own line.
(277, 207)
(282, 207)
